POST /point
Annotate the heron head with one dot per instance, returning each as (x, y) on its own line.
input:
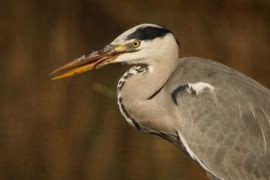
(142, 44)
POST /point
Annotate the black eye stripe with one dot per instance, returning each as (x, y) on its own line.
(148, 33)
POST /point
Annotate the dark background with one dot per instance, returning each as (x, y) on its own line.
(72, 129)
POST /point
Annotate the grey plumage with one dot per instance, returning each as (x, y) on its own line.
(225, 126)
(219, 116)
(228, 129)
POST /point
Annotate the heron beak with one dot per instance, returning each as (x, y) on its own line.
(94, 60)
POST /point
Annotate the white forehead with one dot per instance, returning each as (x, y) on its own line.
(122, 37)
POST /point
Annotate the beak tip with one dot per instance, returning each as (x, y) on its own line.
(55, 78)
(51, 73)
(93, 61)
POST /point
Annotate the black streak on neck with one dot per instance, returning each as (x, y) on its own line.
(155, 93)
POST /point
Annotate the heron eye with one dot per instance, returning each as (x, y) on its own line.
(135, 43)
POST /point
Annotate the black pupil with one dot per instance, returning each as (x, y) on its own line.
(135, 44)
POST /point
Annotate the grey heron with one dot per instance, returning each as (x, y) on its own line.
(218, 116)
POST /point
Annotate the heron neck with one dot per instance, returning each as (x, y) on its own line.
(145, 84)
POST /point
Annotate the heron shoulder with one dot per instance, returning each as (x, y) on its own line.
(240, 108)
(196, 69)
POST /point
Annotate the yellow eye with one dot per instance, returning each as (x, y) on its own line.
(135, 43)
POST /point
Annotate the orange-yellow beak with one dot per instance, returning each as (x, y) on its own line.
(96, 59)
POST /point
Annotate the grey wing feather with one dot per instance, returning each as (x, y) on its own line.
(228, 129)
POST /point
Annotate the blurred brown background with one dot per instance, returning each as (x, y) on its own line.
(72, 129)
